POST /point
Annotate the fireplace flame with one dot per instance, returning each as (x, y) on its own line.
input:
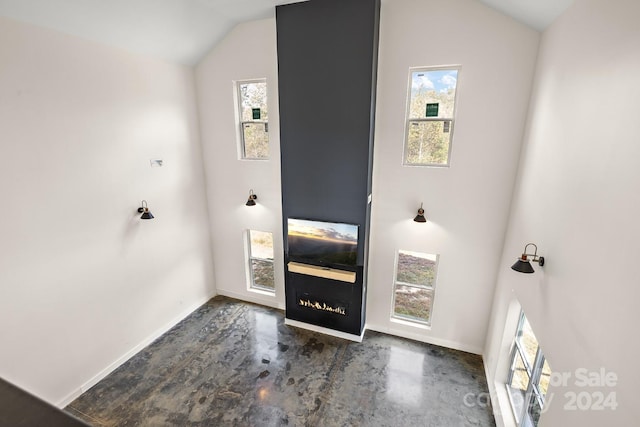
(322, 306)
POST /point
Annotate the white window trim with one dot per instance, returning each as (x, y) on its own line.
(406, 320)
(251, 286)
(240, 123)
(451, 119)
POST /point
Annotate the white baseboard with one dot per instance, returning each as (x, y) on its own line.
(271, 302)
(326, 331)
(132, 352)
(426, 339)
(69, 398)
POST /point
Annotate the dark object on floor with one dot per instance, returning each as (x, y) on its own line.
(21, 409)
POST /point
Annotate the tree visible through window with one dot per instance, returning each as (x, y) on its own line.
(254, 124)
(261, 271)
(529, 375)
(430, 113)
(413, 290)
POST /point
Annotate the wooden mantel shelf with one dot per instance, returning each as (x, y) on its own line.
(325, 272)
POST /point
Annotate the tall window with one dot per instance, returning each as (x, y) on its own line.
(254, 124)
(414, 285)
(260, 248)
(430, 116)
(529, 375)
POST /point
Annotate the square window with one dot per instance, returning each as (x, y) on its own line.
(412, 303)
(427, 142)
(256, 140)
(414, 286)
(253, 118)
(261, 271)
(430, 116)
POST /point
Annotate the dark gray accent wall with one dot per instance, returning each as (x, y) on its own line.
(327, 61)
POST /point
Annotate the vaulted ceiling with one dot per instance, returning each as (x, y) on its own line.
(184, 30)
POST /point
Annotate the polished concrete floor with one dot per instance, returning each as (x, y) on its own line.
(237, 364)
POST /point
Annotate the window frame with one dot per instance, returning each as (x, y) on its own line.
(409, 120)
(533, 372)
(396, 283)
(250, 273)
(241, 123)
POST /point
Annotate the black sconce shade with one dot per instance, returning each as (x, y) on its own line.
(146, 214)
(420, 217)
(523, 264)
(252, 199)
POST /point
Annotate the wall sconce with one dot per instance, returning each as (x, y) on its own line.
(252, 199)
(420, 217)
(144, 210)
(523, 264)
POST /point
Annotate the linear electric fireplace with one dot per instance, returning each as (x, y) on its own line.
(327, 62)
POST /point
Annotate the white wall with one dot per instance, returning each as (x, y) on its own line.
(578, 199)
(83, 281)
(248, 52)
(466, 204)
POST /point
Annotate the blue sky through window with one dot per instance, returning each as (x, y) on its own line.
(438, 80)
